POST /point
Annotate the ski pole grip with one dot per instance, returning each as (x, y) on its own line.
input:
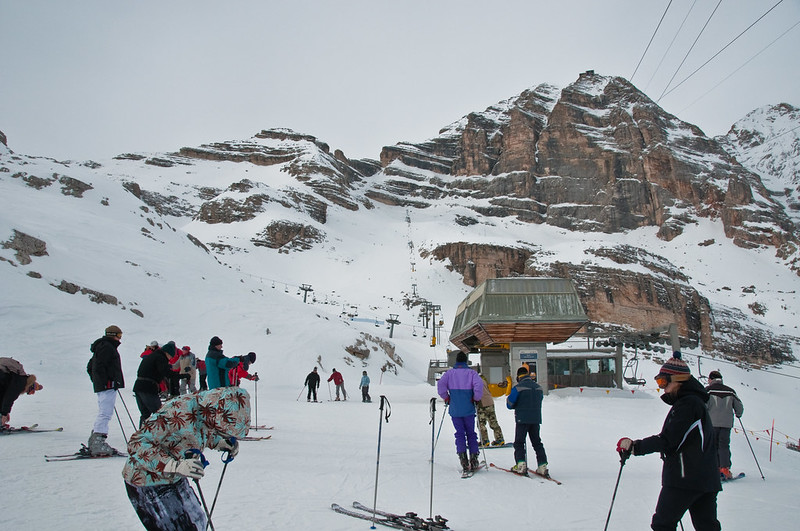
(228, 458)
(190, 453)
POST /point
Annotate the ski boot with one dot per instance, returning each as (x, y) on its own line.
(474, 465)
(498, 442)
(462, 457)
(725, 473)
(542, 470)
(485, 443)
(520, 468)
(98, 445)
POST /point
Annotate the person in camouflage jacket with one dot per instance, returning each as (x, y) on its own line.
(166, 452)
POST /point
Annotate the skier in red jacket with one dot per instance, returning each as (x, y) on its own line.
(338, 379)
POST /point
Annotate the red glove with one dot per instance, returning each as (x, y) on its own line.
(447, 401)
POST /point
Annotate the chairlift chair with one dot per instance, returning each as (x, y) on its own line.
(633, 365)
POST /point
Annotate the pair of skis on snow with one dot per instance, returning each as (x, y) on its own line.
(83, 453)
(33, 428)
(535, 474)
(398, 521)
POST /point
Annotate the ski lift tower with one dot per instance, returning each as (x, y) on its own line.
(510, 321)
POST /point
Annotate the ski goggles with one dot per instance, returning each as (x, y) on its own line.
(662, 380)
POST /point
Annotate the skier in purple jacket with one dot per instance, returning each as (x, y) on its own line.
(460, 388)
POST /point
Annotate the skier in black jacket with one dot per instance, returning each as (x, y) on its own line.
(105, 369)
(153, 369)
(690, 476)
(312, 381)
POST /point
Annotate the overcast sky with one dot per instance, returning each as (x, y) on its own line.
(93, 79)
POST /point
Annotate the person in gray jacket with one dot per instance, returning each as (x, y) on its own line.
(722, 405)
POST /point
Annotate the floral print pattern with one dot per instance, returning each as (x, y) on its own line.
(193, 421)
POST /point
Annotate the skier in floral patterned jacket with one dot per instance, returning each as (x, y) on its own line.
(165, 453)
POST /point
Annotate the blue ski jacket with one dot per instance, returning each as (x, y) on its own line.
(526, 401)
(462, 387)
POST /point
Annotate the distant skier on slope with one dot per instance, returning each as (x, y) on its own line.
(312, 381)
(167, 451)
(338, 379)
(460, 387)
(364, 386)
(690, 475)
(13, 382)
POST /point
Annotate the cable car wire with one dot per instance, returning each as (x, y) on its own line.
(669, 47)
(721, 50)
(690, 50)
(651, 40)
(740, 67)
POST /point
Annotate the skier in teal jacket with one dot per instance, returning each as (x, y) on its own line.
(217, 365)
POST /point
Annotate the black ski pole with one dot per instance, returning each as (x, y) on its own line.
(623, 456)
(135, 427)
(225, 460)
(205, 507)
(120, 426)
(256, 392)
(301, 393)
(188, 454)
(433, 448)
(378, 460)
(440, 424)
(751, 448)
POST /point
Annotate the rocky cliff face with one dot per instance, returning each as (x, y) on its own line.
(598, 156)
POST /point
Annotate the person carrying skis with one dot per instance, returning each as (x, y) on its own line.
(487, 415)
(312, 381)
(153, 369)
(690, 475)
(13, 382)
(460, 387)
(167, 451)
(338, 379)
(722, 405)
(526, 400)
(236, 374)
(364, 386)
(217, 365)
(105, 370)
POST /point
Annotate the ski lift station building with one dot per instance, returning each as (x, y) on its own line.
(510, 321)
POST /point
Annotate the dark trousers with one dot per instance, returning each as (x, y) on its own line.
(674, 502)
(172, 507)
(312, 391)
(365, 394)
(203, 382)
(532, 431)
(148, 404)
(723, 438)
(466, 438)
